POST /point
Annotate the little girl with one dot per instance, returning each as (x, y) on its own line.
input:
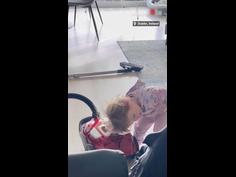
(115, 133)
(119, 115)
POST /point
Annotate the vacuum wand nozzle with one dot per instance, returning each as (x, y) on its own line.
(131, 66)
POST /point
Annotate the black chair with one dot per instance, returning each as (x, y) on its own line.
(98, 163)
(85, 4)
(156, 165)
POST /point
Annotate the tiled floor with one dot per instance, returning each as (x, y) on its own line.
(86, 54)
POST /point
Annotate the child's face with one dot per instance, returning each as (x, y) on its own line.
(134, 111)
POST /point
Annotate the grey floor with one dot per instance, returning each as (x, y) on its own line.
(86, 54)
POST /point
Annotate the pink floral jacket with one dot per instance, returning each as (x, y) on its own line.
(153, 103)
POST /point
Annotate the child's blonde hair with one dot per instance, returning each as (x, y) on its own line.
(117, 111)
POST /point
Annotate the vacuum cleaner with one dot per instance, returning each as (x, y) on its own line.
(125, 68)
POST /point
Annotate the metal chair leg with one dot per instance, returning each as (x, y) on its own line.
(98, 11)
(94, 23)
(75, 15)
(89, 13)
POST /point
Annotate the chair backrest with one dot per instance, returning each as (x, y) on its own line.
(98, 163)
(81, 1)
